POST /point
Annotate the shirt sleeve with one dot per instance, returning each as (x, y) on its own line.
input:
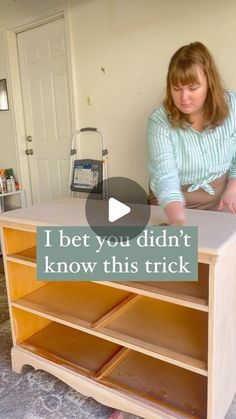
(232, 170)
(232, 106)
(164, 177)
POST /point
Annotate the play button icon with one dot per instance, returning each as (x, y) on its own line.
(116, 210)
(124, 212)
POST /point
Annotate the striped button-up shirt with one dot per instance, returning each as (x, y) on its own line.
(180, 156)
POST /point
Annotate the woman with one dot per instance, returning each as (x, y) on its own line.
(192, 138)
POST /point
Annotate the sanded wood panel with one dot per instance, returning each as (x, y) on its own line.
(222, 329)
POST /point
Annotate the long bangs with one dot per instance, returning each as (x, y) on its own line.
(183, 73)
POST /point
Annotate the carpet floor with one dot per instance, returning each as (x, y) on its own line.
(4, 315)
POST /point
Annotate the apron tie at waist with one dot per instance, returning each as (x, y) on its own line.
(201, 185)
(196, 197)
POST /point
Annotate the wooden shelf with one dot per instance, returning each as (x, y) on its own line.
(25, 257)
(164, 330)
(116, 367)
(161, 382)
(193, 294)
(72, 301)
(77, 350)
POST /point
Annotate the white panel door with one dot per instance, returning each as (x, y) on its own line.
(45, 90)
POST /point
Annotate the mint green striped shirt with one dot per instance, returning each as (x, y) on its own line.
(180, 156)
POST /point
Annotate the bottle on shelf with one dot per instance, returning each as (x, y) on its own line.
(3, 186)
(11, 185)
(10, 181)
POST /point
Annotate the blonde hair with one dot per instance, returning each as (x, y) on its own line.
(182, 71)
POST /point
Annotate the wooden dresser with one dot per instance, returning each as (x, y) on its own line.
(155, 349)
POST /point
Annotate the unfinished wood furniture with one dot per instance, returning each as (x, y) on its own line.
(156, 349)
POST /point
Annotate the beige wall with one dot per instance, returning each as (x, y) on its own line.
(132, 40)
(12, 14)
(7, 143)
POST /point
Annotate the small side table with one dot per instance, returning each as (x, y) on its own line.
(20, 192)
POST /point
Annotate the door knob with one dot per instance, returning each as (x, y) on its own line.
(29, 152)
(29, 138)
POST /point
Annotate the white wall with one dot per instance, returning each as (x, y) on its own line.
(132, 40)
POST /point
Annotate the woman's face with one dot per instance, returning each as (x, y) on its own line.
(190, 99)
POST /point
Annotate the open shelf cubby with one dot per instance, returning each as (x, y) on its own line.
(154, 327)
(189, 293)
(116, 367)
(17, 242)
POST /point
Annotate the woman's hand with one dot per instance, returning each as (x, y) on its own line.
(228, 199)
(175, 212)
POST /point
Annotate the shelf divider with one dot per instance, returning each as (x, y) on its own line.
(112, 363)
(25, 257)
(116, 311)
